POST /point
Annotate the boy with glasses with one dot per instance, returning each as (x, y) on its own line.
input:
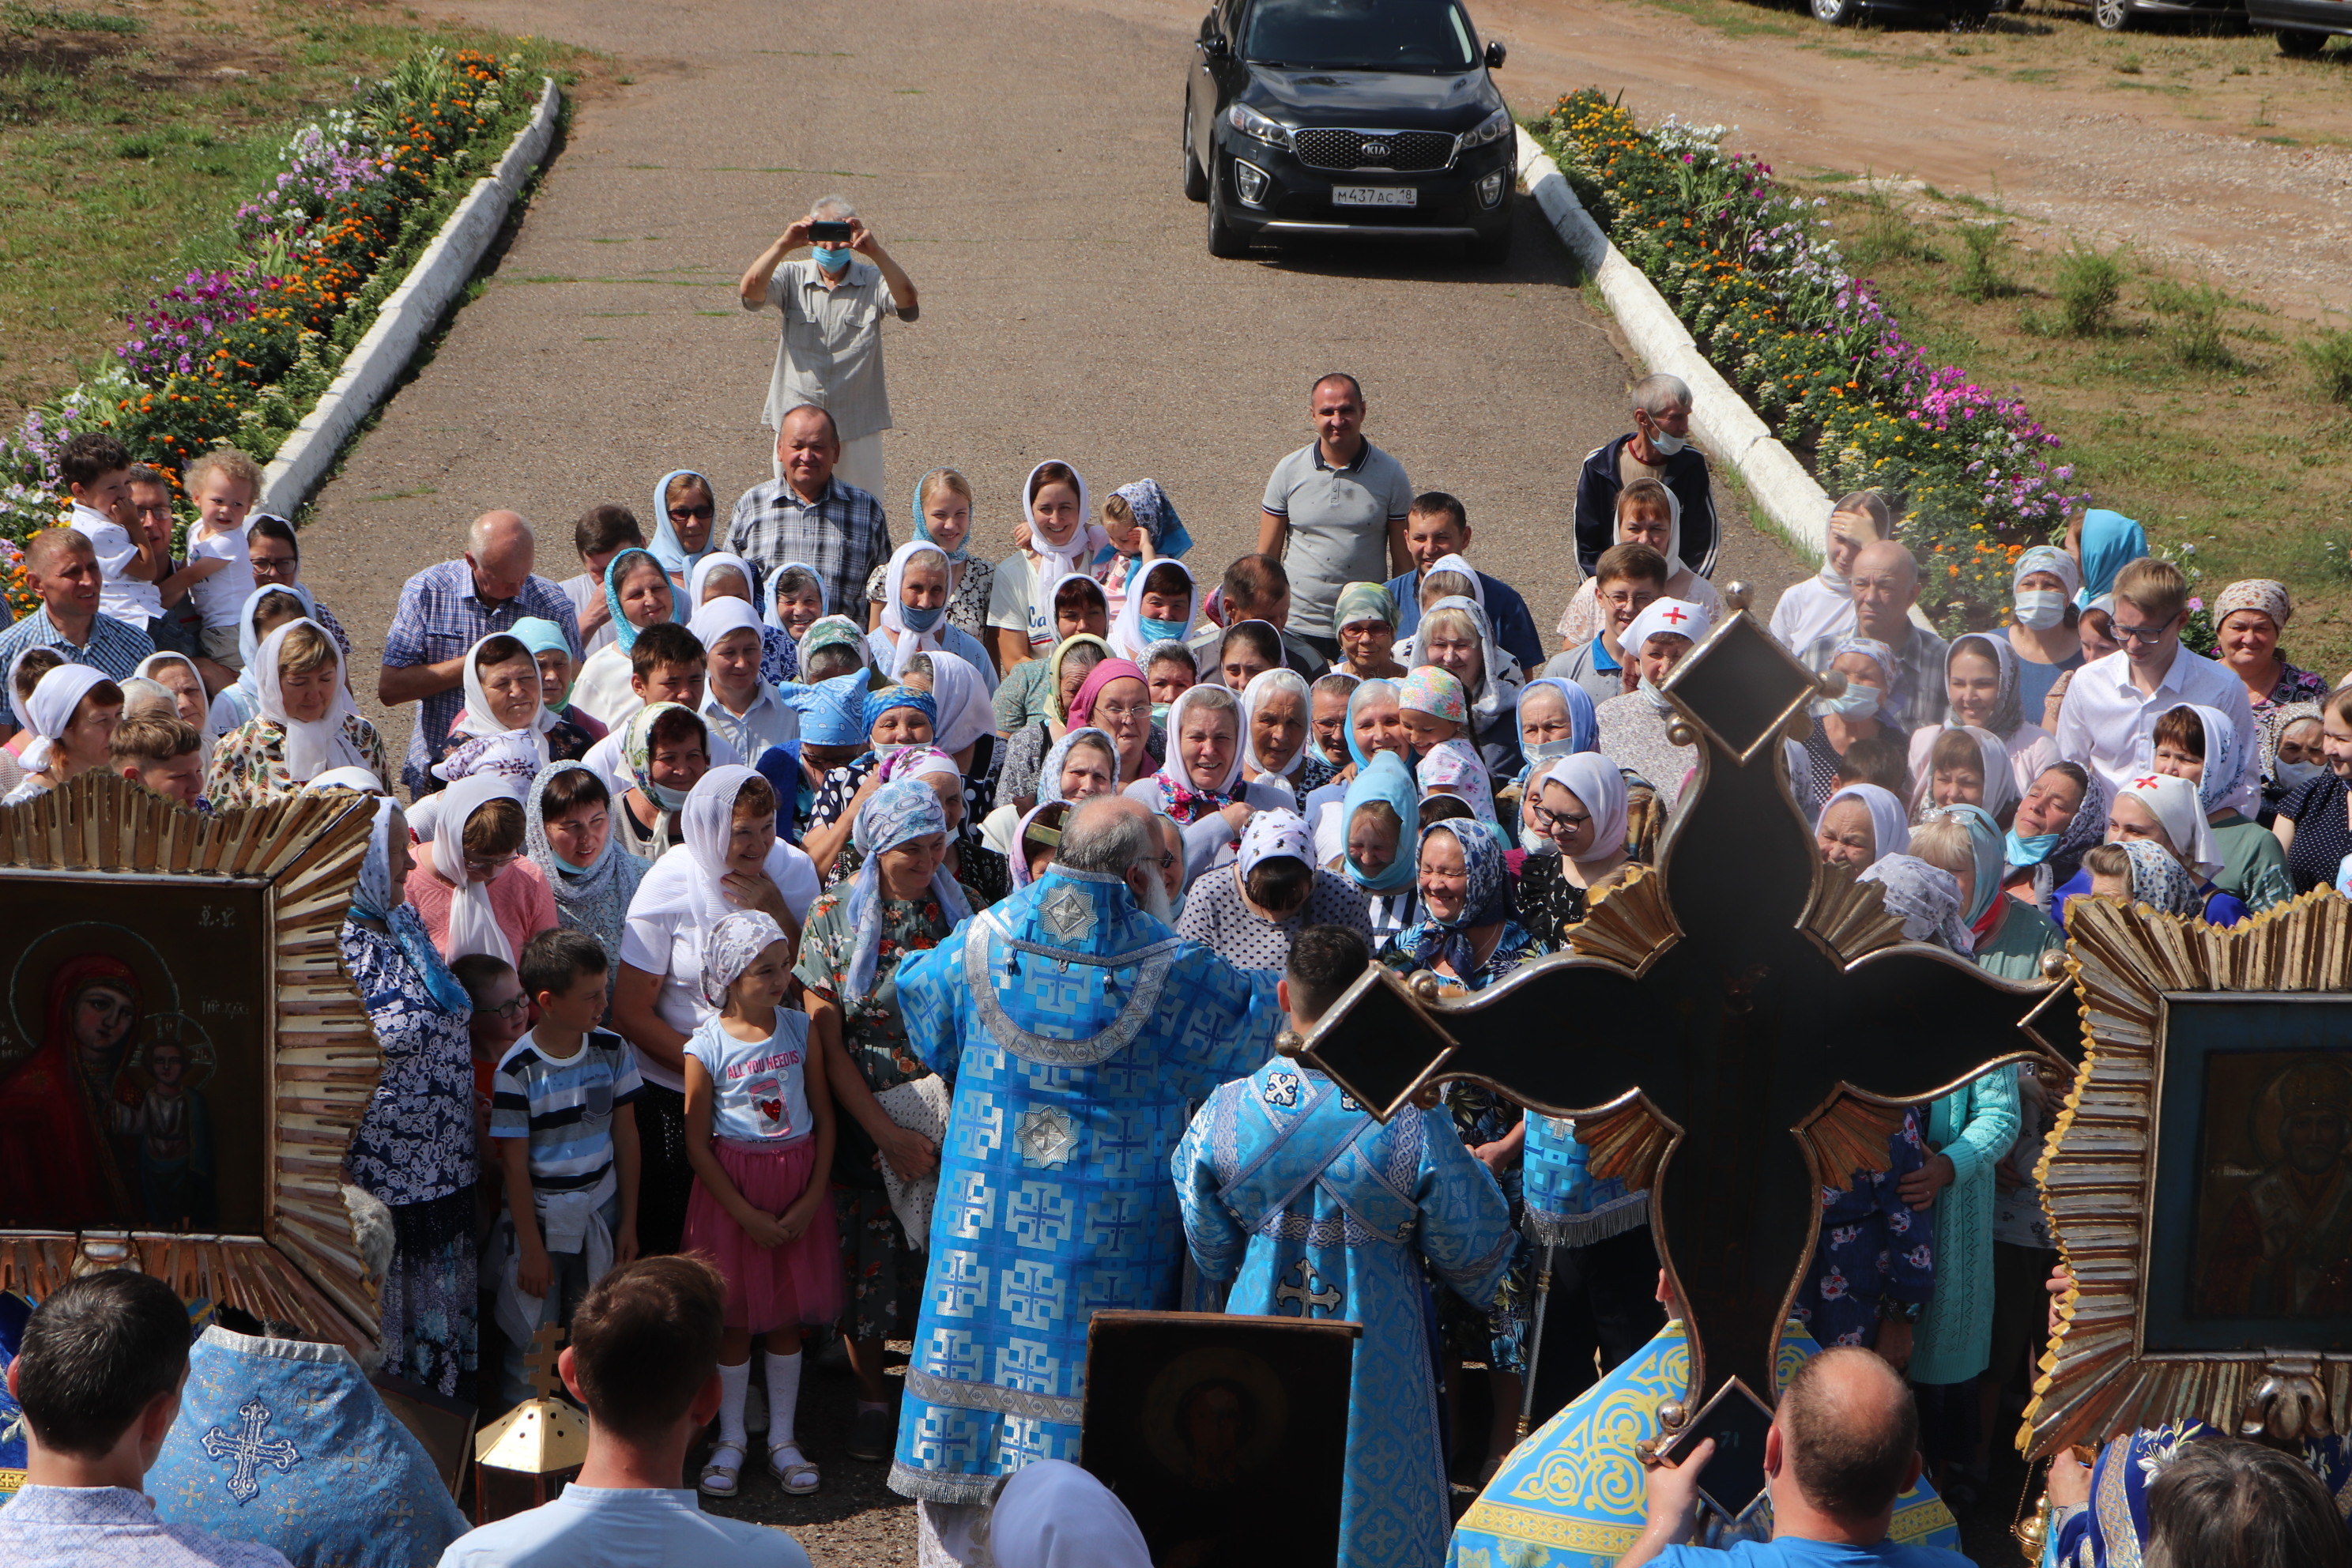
(2107, 722)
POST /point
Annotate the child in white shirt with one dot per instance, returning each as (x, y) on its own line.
(96, 469)
(222, 485)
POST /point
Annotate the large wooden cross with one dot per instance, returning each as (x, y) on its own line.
(1739, 1025)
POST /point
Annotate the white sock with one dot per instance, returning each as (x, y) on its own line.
(734, 1383)
(784, 1393)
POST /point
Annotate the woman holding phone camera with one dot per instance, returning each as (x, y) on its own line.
(830, 352)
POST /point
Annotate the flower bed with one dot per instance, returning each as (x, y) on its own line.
(1764, 291)
(237, 354)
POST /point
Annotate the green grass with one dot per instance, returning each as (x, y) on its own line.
(128, 136)
(2211, 418)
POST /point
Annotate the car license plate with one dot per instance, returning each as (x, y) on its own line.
(1373, 195)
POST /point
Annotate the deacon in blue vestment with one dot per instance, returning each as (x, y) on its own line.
(1076, 1031)
(1308, 1207)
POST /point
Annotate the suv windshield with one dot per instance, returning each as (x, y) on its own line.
(1360, 35)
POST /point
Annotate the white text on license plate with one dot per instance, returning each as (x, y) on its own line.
(1373, 195)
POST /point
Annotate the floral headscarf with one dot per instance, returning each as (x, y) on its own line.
(2265, 595)
(1156, 515)
(1879, 654)
(2051, 559)
(2222, 762)
(1431, 690)
(1272, 834)
(1926, 898)
(2083, 832)
(1486, 900)
(733, 946)
(901, 810)
(625, 634)
(2157, 879)
(1360, 602)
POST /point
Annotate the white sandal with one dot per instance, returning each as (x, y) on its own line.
(719, 1479)
(799, 1479)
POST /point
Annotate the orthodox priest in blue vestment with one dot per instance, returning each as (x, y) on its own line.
(1078, 1033)
(1310, 1208)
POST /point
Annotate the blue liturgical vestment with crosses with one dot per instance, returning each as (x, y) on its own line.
(1310, 1208)
(1078, 1033)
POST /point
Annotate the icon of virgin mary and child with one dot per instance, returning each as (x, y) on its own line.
(103, 1126)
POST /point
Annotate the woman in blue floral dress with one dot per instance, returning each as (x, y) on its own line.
(414, 1149)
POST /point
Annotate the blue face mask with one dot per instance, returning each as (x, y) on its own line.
(1548, 750)
(567, 866)
(1162, 631)
(831, 257)
(668, 799)
(2024, 852)
(1856, 702)
(921, 620)
(1159, 712)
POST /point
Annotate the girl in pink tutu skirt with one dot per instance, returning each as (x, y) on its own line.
(759, 1132)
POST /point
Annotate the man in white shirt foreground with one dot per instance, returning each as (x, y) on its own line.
(2107, 722)
(644, 1359)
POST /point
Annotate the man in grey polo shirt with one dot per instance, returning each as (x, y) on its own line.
(830, 352)
(1335, 512)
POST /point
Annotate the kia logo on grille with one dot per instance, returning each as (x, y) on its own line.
(1376, 149)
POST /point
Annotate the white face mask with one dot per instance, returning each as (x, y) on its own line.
(1664, 444)
(2039, 609)
(2294, 775)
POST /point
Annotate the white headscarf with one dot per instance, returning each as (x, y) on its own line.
(961, 698)
(1660, 619)
(476, 718)
(721, 616)
(473, 924)
(1457, 565)
(1890, 825)
(1089, 542)
(894, 620)
(51, 707)
(1175, 766)
(2174, 802)
(1265, 684)
(1127, 639)
(361, 780)
(313, 748)
(1052, 1514)
(1597, 782)
(1999, 778)
(1499, 674)
(717, 561)
(706, 826)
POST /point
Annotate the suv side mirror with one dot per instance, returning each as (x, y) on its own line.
(1494, 56)
(1216, 46)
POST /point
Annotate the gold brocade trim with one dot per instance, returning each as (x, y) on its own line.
(1549, 1528)
(1915, 1522)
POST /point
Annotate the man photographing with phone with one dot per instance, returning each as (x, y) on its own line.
(830, 350)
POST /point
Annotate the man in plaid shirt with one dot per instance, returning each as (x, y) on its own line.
(445, 610)
(63, 568)
(810, 516)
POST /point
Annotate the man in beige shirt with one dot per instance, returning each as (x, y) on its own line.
(830, 350)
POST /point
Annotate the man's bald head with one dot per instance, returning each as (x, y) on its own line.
(1884, 581)
(500, 550)
(1106, 835)
(1850, 1433)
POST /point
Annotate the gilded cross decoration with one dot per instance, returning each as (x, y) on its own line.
(546, 1343)
(1737, 995)
(246, 1449)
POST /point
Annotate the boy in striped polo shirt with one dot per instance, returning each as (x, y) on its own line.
(567, 1139)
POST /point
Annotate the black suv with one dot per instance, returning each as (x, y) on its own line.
(1372, 117)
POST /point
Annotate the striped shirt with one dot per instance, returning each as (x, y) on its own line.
(564, 1106)
(114, 648)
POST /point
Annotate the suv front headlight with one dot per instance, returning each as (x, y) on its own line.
(1253, 125)
(1493, 128)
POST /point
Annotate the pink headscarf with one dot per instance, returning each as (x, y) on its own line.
(1082, 706)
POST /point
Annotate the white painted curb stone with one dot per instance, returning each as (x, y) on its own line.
(407, 313)
(1725, 425)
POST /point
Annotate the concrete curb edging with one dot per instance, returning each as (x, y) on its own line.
(1790, 498)
(406, 315)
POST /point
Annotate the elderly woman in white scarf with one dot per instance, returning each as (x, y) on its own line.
(2167, 811)
(1454, 636)
(1860, 825)
(894, 1110)
(305, 725)
(914, 615)
(1278, 724)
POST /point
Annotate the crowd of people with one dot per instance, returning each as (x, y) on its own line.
(722, 916)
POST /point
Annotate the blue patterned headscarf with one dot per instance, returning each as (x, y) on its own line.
(1385, 779)
(2110, 543)
(900, 810)
(625, 634)
(2157, 879)
(1987, 846)
(1926, 898)
(832, 712)
(1156, 515)
(880, 702)
(1485, 901)
(665, 547)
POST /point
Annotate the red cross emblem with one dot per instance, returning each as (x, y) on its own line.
(1676, 617)
(2148, 782)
